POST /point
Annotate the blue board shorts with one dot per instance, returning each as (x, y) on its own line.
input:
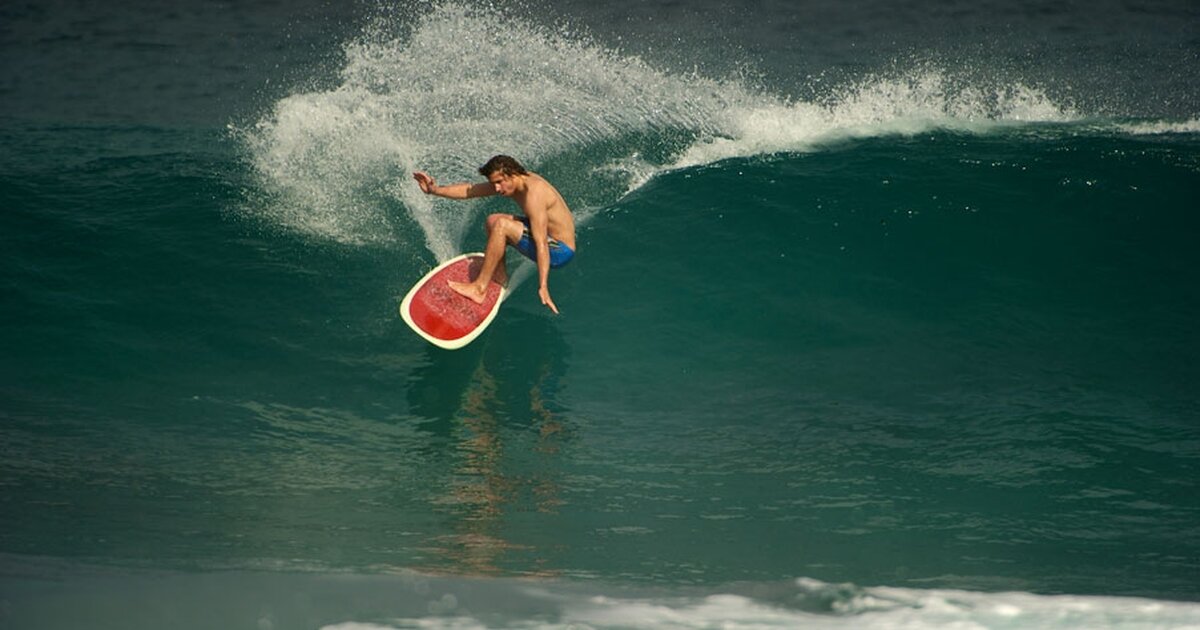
(560, 254)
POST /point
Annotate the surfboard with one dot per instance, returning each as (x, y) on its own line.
(445, 318)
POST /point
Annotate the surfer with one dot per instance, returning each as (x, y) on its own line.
(545, 233)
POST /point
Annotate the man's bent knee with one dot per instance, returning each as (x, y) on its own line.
(505, 224)
(497, 220)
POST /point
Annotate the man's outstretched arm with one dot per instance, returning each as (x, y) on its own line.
(463, 190)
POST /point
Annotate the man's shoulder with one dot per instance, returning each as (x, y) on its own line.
(537, 182)
(542, 190)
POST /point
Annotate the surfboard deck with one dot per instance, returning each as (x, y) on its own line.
(445, 318)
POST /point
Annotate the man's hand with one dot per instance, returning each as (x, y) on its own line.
(544, 293)
(425, 182)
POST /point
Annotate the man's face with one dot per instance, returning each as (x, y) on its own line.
(502, 182)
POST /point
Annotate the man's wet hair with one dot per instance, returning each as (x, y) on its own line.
(503, 164)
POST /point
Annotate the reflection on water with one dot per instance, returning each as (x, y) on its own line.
(505, 430)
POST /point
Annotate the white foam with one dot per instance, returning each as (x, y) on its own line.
(1154, 128)
(868, 609)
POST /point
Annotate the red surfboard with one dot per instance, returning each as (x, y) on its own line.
(445, 318)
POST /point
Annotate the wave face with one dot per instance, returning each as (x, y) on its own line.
(883, 316)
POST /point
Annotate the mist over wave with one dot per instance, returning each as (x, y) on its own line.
(465, 83)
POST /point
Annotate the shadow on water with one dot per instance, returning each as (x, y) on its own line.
(495, 405)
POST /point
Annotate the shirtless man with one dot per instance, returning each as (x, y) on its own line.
(545, 234)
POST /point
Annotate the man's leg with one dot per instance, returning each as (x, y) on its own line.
(500, 275)
(503, 229)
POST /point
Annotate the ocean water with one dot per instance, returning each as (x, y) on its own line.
(884, 316)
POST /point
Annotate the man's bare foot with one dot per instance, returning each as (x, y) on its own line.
(469, 290)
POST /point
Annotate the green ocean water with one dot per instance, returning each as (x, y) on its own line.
(912, 350)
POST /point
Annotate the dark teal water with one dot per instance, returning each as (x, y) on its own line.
(883, 316)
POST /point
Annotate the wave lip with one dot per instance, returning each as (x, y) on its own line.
(926, 100)
(1162, 127)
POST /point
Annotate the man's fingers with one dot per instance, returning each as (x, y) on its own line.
(549, 303)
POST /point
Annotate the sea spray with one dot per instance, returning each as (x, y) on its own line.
(443, 100)
(466, 83)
